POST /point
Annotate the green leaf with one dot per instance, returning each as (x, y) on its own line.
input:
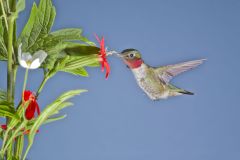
(36, 34)
(24, 38)
(81, 56)
(6, 110)
(49, 120)
(75, 49)
(67, 34)
(3, 95)
(70, 34)
(78, 72)
(14, 123)
(75, 62)
(38, 26)
(20, 6)
(73, 58)
(1, 27)
(50, 110)
(56, 43)
(53, 119)
(16, 131)
(3, 49)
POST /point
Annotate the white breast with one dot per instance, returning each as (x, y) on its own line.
(140, 72)
(153, 88)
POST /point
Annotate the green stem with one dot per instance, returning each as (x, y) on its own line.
(44, 81)
(15, 68)
(18, 149)
(8, 8)
(10, 61)
(10, 72)
(24, 84)
(27, 150)
(9, 151)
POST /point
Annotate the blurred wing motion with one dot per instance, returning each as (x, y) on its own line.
(166, 73)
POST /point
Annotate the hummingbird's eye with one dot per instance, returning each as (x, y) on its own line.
(131, 55)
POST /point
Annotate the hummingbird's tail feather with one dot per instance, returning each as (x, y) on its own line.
(174, 91)
(186, 92)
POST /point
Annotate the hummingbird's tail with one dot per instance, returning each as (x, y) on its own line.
(174, 91)
(186, 92)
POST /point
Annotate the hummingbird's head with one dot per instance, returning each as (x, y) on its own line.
(131, 57)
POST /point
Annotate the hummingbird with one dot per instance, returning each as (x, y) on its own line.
(155, 81)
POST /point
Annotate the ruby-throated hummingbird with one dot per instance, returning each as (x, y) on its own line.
(154, 81)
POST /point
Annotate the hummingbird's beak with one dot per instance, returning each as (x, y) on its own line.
(119, 55)
(109, 53)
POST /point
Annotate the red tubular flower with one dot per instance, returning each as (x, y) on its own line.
(103, 56)
(32, 106)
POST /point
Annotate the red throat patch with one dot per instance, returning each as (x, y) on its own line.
(135, 63)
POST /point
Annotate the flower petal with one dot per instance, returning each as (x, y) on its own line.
(41, 55)
(103, 56)
(29, 113)
(26, 56)
(26, 60)
(107, 69)
(32, 106)
(23, 57)
(27, 95)
(38, 109)
(97, 38)
(35, 64)
(37, 59)
(23, 64)
(20, 52)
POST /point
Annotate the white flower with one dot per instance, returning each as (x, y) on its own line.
(26, 60)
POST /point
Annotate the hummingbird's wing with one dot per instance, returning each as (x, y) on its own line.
(166, 73)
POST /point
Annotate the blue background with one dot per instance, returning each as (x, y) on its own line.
(115, 120)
